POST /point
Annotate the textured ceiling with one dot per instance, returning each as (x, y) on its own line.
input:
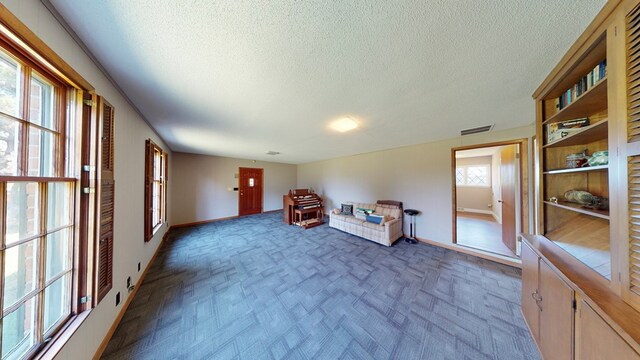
(239, 78)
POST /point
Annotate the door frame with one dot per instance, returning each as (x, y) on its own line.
(261, 190)
(523, 175)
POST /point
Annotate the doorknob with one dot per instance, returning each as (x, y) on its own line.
(500, 201)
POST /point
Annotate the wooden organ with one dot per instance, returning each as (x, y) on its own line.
(303, 208)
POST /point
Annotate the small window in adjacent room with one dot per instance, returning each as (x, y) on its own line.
(473, 175)
(155, 186)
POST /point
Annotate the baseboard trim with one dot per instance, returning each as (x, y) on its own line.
(125, 306)
(477, 211)
(177, 226)
(495, 217)
(216, 220)
(505, 260)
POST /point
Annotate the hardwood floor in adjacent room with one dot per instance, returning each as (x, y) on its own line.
(481, 231)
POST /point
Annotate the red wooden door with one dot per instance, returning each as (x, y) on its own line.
(508, 193)
(250, 187)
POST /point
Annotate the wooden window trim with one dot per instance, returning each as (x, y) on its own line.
(12, 28)
(150, 228)
(24, 47)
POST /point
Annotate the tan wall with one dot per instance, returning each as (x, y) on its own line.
(419, 175)
(130, 134)
(200, 186)
(471, 198)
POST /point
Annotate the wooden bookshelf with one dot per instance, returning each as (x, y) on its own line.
(588, 134)
(593, 251)
(591, 102)
(602, 214)
(577, 170)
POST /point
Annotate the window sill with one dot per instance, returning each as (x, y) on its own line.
(54, 347)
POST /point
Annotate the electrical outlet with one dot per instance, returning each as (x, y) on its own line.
(138, 266)
(118, 298)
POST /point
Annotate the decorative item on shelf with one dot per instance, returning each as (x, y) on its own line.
(587, 199)
(598, 158)
(559, 130)
(578, 197)
(599, 203)
(553, 199)
(577, 160)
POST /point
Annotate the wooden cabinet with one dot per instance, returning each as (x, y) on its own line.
(580, 97)
(556, 315)
(547, 305)
(587, 247)
(530, 294)
(597, 340)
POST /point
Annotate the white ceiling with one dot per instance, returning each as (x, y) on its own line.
(241, 77)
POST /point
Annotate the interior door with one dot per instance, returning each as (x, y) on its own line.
(508, 196)
(250, 187)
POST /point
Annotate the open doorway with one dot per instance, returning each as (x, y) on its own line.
(488, 196)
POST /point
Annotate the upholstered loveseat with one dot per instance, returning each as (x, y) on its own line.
(385, 234)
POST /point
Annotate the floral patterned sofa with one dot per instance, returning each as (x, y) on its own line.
(385, 234)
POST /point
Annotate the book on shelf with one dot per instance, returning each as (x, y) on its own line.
(563, 129)
(583, 85)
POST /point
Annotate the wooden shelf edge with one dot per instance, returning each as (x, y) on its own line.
(561, 115)
(579, 209)
(589, 285)
(583, 169)
(583, 133)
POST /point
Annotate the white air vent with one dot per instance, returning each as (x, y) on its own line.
(271, 152)
(476, 130)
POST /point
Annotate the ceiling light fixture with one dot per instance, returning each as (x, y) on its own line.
(343, 124)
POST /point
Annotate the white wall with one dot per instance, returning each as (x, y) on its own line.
(200, 186)
(474, 198)
(130, 134)
(420, 176)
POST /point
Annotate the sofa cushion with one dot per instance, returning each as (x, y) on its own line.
(352, 220)
(373, 226)
(347, 209)
(389, 210)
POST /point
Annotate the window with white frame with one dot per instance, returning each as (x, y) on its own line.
(473, 175)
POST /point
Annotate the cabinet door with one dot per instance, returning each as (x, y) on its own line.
(530, 293)
(556, 315)
(598, 341)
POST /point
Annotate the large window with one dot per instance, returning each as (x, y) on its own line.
(37, 237)
(155, 188)
(473, 175)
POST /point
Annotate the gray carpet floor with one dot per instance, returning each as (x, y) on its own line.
(255, 288)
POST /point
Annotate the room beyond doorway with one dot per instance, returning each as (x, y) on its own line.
(488, 196)
(481, 231)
